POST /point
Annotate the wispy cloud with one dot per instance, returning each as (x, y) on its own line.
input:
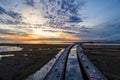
(15, 15)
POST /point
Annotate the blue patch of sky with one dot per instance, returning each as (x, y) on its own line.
(101, 11)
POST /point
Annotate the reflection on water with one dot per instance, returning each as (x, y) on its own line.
(9, 48)
(73, 70)
(49, 48)
(8, 55)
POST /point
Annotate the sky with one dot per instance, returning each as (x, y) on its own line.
(58, 21)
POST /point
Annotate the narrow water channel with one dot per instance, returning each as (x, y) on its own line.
(73, 71)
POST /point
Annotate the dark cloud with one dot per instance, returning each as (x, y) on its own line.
(14, 15)
(30, 2)
(75, 30)
(2, 39)
(10, 21)
(56, 39)
(17, 17)
(50, 30)
(60, 12)
(13, 22)
(106, 31)
(71, 32)
(84, 29)
(10, 13)
(74, 19)
(2, 10)
(12, 32)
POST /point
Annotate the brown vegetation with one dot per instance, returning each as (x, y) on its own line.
(106, 59)
(27, 61)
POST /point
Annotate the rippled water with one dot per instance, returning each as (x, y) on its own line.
(10, 48)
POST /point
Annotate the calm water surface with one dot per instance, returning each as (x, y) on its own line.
(8, 48)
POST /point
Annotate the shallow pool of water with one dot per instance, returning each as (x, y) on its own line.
(9, 48)
(7, 55)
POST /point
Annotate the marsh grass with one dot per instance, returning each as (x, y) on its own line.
(27, 61)
(106, 59)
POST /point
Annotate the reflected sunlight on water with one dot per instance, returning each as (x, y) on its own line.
(10, 48)
(8, 55)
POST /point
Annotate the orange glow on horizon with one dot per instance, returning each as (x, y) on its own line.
(41, 37)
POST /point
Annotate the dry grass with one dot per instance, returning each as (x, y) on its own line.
(105, 58)
(18, 67)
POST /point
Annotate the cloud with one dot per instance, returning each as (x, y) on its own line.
(2, 39)
(12, 32)
(2, 10)
(40, 37)
(61, 12)
(74, 19)
(84, 29)
(14, 15)
(114, 37)
(53, 16)
(56, 12)
(105, 31)
(30, 2)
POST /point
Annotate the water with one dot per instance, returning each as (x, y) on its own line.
(9, 48)
(107, 44)
(73, 71)
(7, 55)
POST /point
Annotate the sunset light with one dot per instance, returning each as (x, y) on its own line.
(36, 36)
(59, 39)
(38, 20)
